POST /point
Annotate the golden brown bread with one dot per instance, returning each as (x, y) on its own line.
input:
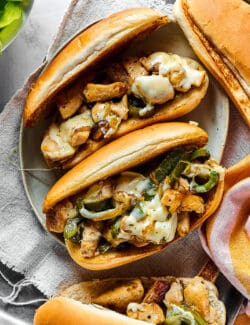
(122, 154)
(218, 31)
(77, 299)
(87, 49)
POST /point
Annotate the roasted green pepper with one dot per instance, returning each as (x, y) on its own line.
(176, 172)
(200, 153)
(212, 181)
(168, 164)
(178, 315)
(71, 228)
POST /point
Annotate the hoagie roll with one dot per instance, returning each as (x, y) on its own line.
(95, 94)
(135, 196)
(163, 300)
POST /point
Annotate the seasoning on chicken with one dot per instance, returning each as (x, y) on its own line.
(151, 313)
(58, 217)
(90, 240)
(119, 297)
(174, 294)
(69, 100)
(192, 202)
(101, 93)
(120, 108)
(134, 68)
(172, 199)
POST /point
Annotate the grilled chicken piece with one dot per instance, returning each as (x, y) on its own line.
(183, 185)
(151, 313)
(80, 136)
(60, 140)
(116, 72)
(119, 297)
(183, 226)
(196, 294)
(53, 146)
(157, 292)
(134, 68)
(69, 100)
(174, 294)
(192, 202)
(172, 199)
(120, 108)
(90, 240)
(57, 218)
(101, 93)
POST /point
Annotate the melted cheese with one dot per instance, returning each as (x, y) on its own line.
(156, 227)
(172, 63)
(153, 89)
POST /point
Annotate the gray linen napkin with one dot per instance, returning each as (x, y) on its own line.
(24, 245)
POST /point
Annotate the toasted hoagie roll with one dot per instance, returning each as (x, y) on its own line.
(162, 300)
(134, 196)
(206, 24)
(98, 93)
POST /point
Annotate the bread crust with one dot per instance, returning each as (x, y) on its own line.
(66, 311)
(86, 50)
(226, 60)
(122, 154)
(73, 304)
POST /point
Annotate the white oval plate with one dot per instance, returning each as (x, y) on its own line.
(212, 115)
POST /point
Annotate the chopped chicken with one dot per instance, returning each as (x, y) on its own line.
(172, 199)
(157, 292)
(196, 294)
(101, 93)
(134, 68)
(53, 146)
(80, 136)
(183, 226)
(183, 185)
(119, 297)
(192, 202)
(151, 313)
(70, 99)
(116, 72)
(174, 294)
(127, 198)
(56, 219)
(120, 108)
(90, 240)
(59, 141)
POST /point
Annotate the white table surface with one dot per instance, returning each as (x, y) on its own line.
(16, 63)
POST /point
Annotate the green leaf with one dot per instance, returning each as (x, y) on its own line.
(7, 33)
(11, 13)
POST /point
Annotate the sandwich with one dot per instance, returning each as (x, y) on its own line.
(218, 31)
(94, 93)
(138, 301)
(136, 195)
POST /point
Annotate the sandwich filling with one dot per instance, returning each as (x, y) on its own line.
(169, 301)
(133, 88)
(148, 206)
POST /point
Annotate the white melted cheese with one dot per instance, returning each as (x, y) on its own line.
(134, 307)
(205, 169)
(153, 89)
(155, 227)
(169, 63)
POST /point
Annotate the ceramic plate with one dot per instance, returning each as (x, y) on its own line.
(212, 115)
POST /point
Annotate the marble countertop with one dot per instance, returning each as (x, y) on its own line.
(16, 63)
